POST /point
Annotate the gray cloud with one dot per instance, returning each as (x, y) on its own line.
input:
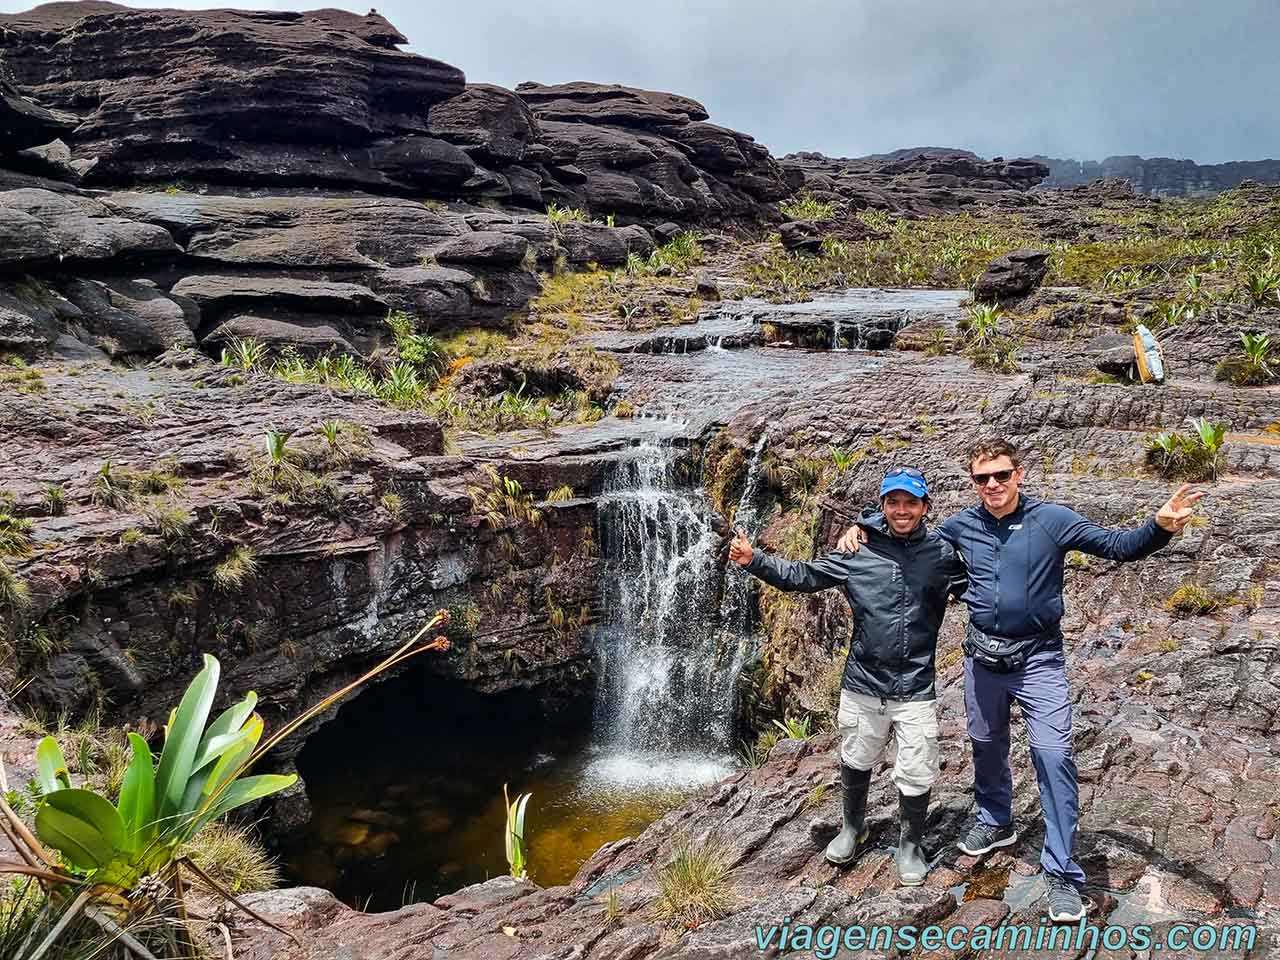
(1082, 78)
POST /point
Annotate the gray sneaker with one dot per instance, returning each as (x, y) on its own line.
(1065, 905)
(983, 838)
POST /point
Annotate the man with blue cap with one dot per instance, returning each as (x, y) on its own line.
(897, 586)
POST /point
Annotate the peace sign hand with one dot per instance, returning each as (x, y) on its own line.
(1179, 509)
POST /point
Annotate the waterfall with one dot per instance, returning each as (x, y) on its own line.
(735, 608)
(835, 334)
(667, 671)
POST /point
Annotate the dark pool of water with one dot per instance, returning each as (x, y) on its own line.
(406, 791)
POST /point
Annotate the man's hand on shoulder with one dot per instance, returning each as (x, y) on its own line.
(1178, 509)
(851, 539)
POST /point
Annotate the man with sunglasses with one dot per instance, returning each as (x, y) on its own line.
(898, 587)
(1015, 548)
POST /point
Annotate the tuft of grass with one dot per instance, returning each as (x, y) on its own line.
(240, 566)
(560, 494)
(171, 521)
(1192, 599)
(815, 798)
(131, 536)
(15, 595)
(15, 535)
(393, 503)
(696, 885)
(234, 857)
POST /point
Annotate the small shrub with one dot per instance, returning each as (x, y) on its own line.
(240, 566)
(1192, 456)
(695, 886)
(1253, 366)
(1263, 285)
(132, 536)
(1191, 599)
(815, 798)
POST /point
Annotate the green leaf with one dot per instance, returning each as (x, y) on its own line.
(228, 725)
(138, 792)
(229, 766)
(83, 825)
(51, 767)
(241, 792)
(185, 732)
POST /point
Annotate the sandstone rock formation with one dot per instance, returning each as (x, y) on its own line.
(914, 184)
(1012, 275)
(1161, 176)
(341, 107)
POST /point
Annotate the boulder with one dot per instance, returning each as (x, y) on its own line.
(221, 293)
(129, 316)
(279, 334)
(492, 124)
(801, 236)
(37, 226)
(1012, 275)
(490, 247)
(610, 103)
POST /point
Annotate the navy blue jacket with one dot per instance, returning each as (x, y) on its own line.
(898, 588)
(1016, 563)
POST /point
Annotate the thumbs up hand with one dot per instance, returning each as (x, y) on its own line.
(740, 550)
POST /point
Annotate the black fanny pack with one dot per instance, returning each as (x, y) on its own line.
(1004, 654)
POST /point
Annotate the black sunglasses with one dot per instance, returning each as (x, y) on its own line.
(1002, 476)
(905, 471)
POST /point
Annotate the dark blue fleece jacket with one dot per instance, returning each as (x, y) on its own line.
(1015, 563)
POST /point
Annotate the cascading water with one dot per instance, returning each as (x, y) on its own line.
(735, 608)
(667, 669)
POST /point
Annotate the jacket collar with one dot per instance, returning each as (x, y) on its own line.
(989, 517)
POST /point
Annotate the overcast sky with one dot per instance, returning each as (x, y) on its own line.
(1078, 78)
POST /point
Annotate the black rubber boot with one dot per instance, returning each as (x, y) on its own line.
(854, 785)
(913, 865)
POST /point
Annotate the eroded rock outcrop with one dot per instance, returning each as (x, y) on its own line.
(915, 183)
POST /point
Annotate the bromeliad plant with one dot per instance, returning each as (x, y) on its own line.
(120, 860)
(517, 855)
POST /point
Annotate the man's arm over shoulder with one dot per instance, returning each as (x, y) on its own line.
(1074, 532)
(957, 572)
(810, 576)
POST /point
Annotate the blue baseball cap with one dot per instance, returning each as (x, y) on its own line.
(905, 478)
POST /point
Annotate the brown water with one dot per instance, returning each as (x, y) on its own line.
(406, 791)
